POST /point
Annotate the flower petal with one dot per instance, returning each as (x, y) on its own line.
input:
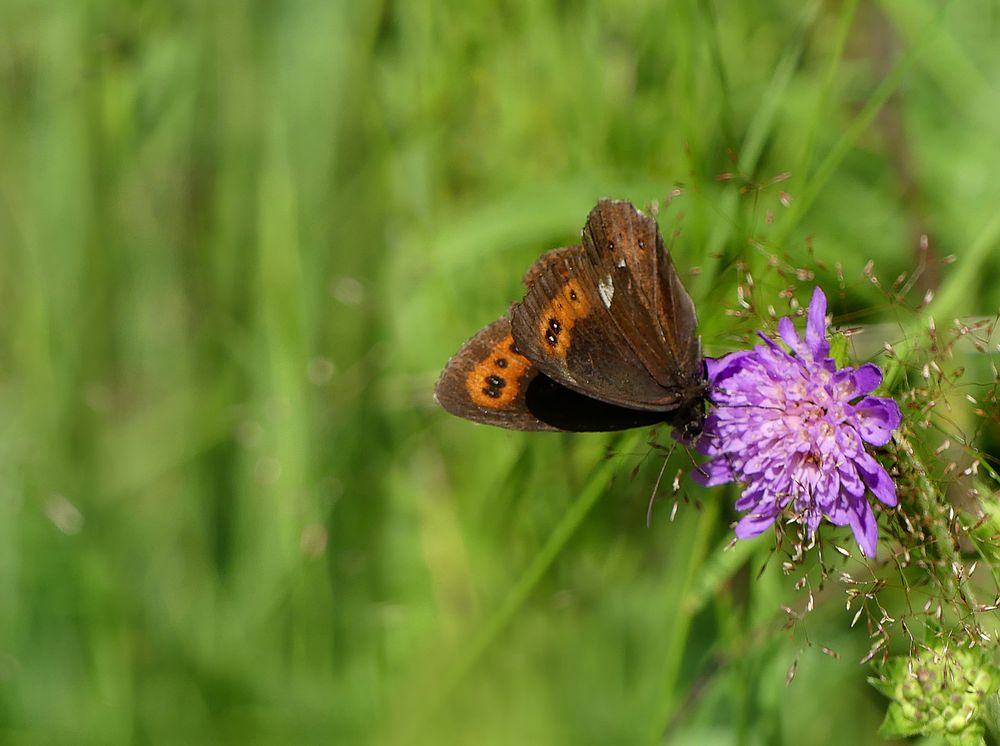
(816, 326)
(813, 517)
(877, 478)
(786, 330)
(753, 524)
(850, 481)
(753, 497)
(858, 381)
(839, 515)
(828, 485)
(771, 345)
(877, 417)
(864, 526)
(711, 473)
(867, 378)
(722, 367)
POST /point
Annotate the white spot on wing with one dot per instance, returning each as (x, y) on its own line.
(607, 290)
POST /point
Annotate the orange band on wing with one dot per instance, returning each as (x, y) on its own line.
(555, 324)
(495, 382)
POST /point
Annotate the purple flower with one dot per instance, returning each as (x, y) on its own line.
(792, 430)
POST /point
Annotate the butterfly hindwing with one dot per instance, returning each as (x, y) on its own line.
(487, 380)
(549, 259)
(490, 381)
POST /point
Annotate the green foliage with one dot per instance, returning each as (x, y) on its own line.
(239, 239)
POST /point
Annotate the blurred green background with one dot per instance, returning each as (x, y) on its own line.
(239, 240)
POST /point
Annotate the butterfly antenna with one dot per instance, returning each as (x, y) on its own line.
(690, 454)
(656, 486)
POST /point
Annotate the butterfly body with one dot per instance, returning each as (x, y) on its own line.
(604, 339)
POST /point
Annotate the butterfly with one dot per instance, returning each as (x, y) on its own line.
(604, 339)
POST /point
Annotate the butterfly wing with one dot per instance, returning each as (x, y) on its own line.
(547, 260)
(487, 380)
(651, 307)
(490, 381)
(611, 319)
(565, 326)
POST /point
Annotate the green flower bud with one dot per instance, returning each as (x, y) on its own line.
(938, 691)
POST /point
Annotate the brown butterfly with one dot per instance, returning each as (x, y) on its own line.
(605, 339)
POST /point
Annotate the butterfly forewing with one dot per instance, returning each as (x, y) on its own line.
(650, 305)
(564, 326)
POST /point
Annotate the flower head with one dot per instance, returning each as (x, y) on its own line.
(938, 691)
(792, 430)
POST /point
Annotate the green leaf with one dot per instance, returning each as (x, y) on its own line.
(989, 715)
